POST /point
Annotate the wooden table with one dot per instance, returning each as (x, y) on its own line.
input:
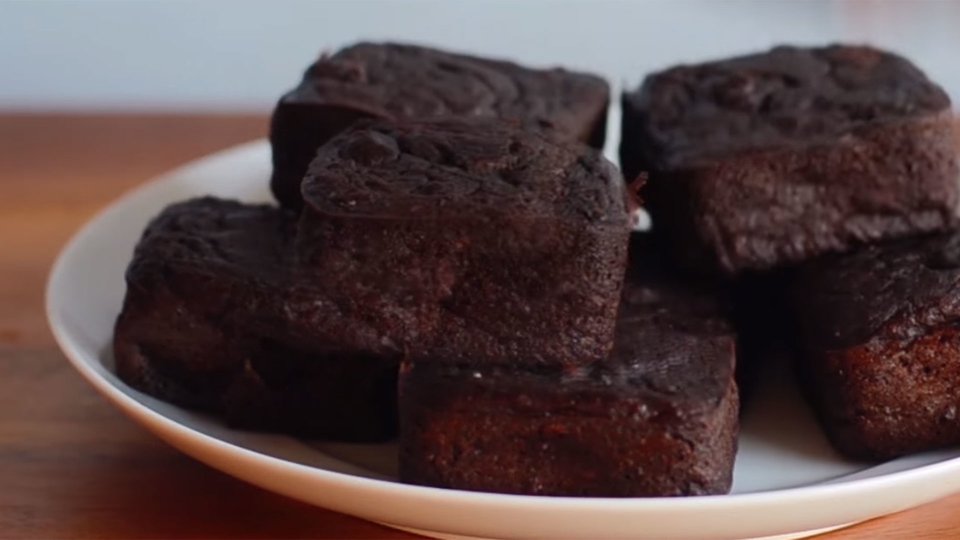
(73, 467)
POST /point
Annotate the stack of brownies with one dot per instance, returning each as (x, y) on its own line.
(453, 262)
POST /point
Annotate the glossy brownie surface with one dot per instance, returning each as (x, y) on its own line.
(461, 170)
(392, 80)
(788, 96)
(900, 288)
(396, 81)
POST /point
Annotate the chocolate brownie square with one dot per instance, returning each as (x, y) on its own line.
(468, 240)
(213, 319)
(657, 418)
(393, 81)
(880, 336)
(774, 158)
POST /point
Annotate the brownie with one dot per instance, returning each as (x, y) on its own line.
(392, 81)
(774, 158)
(656, 418)
(880, 337)
(468, 240)
(214, 319)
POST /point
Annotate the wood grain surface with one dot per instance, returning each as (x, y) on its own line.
(73, 467)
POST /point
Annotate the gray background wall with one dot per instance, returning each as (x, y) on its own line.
(240, 55)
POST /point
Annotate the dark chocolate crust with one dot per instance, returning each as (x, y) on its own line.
(775, 158)
(212, 320)
(657, 418)
(468, 240)
(392, 81)
(881, 350)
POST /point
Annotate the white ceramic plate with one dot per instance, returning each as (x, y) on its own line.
(787, 480)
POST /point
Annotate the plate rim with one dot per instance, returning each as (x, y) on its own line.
(166, 427)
